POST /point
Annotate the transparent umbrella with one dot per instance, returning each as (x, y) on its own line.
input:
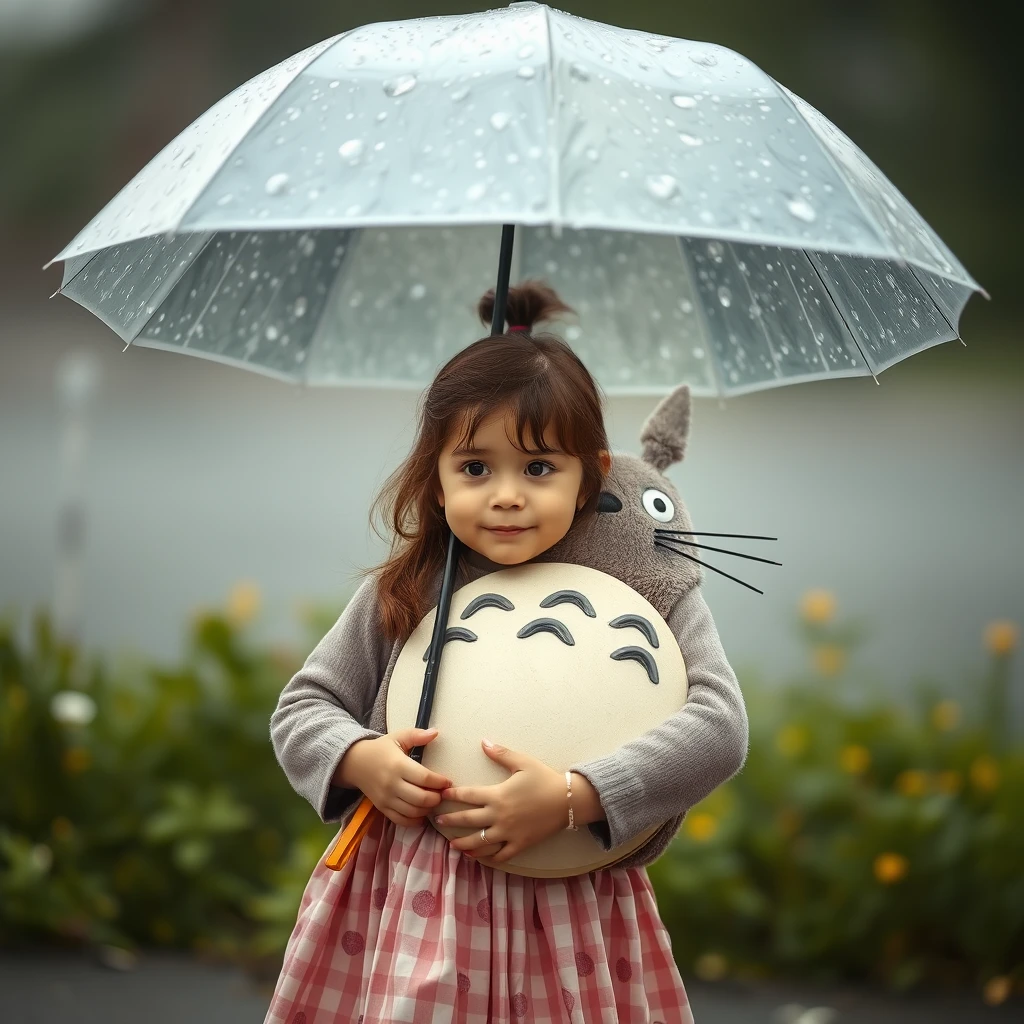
(331, 220)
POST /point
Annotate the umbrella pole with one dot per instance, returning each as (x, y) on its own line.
(363, 818)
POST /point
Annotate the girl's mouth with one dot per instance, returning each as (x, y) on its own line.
(507, 531)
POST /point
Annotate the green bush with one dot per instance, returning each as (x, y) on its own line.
(143, 805)
(864, 840)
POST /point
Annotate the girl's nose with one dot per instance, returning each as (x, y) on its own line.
(507, 494)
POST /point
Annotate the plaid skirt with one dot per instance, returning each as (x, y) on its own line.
(412, 931)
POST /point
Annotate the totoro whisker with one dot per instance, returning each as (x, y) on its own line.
(696, 533)
(723, 551)
(676, 551)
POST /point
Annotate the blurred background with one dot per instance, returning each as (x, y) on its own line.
(176, 534)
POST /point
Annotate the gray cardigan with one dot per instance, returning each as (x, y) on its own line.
(339, 697)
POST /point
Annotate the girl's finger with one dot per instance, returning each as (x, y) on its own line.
(474, 844)
(423, 800)
(479, 795)
(406, 809)
(477, 817)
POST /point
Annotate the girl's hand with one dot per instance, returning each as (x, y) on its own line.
(527, 808)
(399, 787)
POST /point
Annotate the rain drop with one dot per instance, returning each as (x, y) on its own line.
(276, 184)
(684, 102)
(593, 154)
(690, 140)
(579, 72)
(704, 58)
(724, 296)
(351, 150)
(301, 306)
(662, 186)
(460, 94)
(526, 52)
(500, 120)
(526, 72)
(686, 306)
(400, 86)
(417, 291)
(573, 333)
(802, 210)
(271, 333)
(476, 192)
(225, 199)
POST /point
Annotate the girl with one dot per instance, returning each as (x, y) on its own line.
(511, 451)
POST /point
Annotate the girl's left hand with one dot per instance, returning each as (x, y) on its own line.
(527, 808)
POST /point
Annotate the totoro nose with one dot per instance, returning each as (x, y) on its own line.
(607, 502)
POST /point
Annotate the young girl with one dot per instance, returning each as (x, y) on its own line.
(511, 451)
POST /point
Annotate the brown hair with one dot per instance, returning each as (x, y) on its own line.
(542, 383)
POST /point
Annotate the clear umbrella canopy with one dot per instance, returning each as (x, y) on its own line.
(333, 220)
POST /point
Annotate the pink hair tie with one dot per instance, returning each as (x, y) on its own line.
(518, 327)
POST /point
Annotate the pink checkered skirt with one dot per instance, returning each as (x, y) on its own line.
(412, 931)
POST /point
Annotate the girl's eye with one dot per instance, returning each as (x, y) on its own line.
(539, 468)
(474, 469)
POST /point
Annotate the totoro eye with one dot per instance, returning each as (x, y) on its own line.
(658, 505)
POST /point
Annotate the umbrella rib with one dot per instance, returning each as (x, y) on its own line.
(60, 290)
(849, 329)
(701, 318)
(931, 299)
(349, 238)
(216, 288)
(553, 150)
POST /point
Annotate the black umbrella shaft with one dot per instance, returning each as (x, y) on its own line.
(444, 600)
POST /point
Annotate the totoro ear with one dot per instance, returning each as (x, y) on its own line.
(666, 430)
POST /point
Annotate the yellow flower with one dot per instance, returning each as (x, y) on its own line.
(710, 967)
(17, 698)
(855, 759)
(1000, 637)
(829, 659)
(946, 715)
(62, 829)
(76, 760)
(912, 782)
(890, 867)
(985, 773)
(818, 606)
(997, 990)
(243, 602)
(948, 782)
(792, 740)
(701, 826)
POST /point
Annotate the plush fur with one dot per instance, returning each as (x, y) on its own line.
(621, 542)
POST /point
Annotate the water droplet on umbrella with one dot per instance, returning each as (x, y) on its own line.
(400, 86)
(662, 186)
(724, 296)
(716, 251)
(593, 154)
(686, 305)
(579, 72)
(475, 192)
(417, 291)
(698, 353)
(500, 120)
(271, 333)
(294, 113)
(704, 58)
(802, 210)
(351, 150)
(526, 51)
(225, 199)
(690, 140)
(334, 84)
(526, 72)
(301, 305)
(684, 102)
(460, 94)
(276, 184)
(382, 116)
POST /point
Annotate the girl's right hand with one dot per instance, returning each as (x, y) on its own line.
(399, 787)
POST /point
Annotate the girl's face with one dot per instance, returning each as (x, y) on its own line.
(508, 505)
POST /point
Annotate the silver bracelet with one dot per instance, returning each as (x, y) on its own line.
(568, 796)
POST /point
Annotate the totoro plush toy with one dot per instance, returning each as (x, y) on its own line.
(576, 636)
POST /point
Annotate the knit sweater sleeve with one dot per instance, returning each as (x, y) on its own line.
(326, 706)
(672, 767)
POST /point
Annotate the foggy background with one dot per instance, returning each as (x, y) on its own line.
(905, 498)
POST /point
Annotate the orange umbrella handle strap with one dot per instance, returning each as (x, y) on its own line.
(348, 841)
